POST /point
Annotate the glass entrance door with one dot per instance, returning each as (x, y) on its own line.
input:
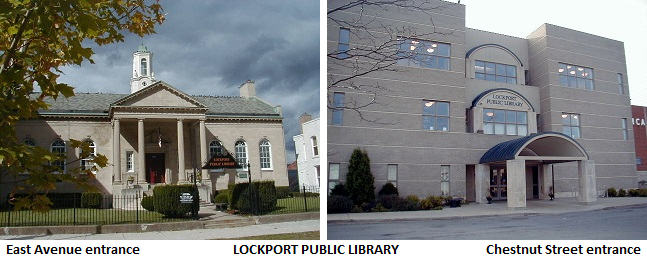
(498, 183)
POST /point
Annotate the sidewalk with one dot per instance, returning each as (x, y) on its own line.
(212, 224)
(557, 206)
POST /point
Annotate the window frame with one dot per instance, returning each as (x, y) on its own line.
(337, 117)
(59, 150)
(621, 87)
(333, 181)
(130, 161)
(215, 146)
(570, 126)
(411, 53)
(265, 156)
(505, 122)
(87, 163)
(343, 44)
(445, 179)
(494, 76)
(625, 129)
(242, 154)
(570, 77)
(430, 112)
(392, 178)
(315, 146)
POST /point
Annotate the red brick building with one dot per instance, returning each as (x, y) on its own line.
(639, 118)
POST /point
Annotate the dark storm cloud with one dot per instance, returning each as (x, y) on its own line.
(212, 47)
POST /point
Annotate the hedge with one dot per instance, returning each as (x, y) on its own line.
(91, 200)
(262, 199)
(167, 200)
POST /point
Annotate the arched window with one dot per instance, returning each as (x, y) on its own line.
(29, 142)
(144, 68)
(86, 162)
(58, 147)
(215, 147)
(266, 154)
(315, 148)
(241, 153)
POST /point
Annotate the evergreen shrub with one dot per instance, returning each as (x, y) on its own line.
(167, 200)
(91, 200)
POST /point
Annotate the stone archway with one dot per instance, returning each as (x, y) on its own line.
(543, 148)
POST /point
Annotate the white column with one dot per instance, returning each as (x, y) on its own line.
(116, 152)
(482, 182)
(180, 152)
(546, 181)
(141, 152)
(586, 174)
(203, 151)
(516, 170)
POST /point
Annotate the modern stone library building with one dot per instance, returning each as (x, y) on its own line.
(471, 113)
(157, 135)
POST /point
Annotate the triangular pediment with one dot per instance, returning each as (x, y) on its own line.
(159, 95)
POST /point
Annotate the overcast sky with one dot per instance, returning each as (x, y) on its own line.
(212, 47)
(622, 20)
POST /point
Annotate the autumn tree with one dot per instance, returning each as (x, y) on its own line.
(37, 39)
(373, 46)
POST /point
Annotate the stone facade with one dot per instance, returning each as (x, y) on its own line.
(524, 81)
(158, 134)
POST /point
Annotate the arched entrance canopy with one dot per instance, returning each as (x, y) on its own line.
(549, 147)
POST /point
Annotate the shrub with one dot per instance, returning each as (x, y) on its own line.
(261, 199)
(612, 192)
(339, 189)
(222, 197)
(340, 204)
(388, 189)
(359, 179)
(432, 203)
(394, 203)
(167, 200)
(148, 203)
(283, 192)
(413, 199)
(622, 193)
(91, 200)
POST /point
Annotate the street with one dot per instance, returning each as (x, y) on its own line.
(627, 223)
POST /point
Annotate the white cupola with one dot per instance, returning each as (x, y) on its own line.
(143, 75)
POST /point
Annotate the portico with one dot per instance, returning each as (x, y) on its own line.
(165, 129)
(518, 156)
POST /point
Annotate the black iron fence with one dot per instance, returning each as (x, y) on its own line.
(306, 200)
(71, 210)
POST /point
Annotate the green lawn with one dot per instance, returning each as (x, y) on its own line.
(296, 204)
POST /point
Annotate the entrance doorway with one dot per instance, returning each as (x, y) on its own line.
(498, 183)
(155, 168)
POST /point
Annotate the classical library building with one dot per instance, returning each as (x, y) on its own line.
(472, 113)
(157, 135)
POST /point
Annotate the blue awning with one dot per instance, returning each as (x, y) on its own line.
(509, 150)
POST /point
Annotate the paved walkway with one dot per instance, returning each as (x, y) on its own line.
(557, 206)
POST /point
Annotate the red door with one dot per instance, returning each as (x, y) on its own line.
(155, 169)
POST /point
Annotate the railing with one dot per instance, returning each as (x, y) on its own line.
(68, 211)
(306, 200)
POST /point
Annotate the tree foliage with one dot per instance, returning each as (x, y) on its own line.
(360, 180)
(373, 47)
(37, 38)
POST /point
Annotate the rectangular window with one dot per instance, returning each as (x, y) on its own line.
(421, 53)
(392, 174)
(575, 76)
(495, 72)
(571, 125)
(130, 161)
(504, 122)
(625, 131)
(435, 115)
(333, 176)
(338, 111)
(621, 88)
(344, 43)
(444, 180)
(639, 161)
(315, 148)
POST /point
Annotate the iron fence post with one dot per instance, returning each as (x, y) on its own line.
(305, 199)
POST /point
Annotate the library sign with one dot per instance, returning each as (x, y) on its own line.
(503, 99)
(221, 160)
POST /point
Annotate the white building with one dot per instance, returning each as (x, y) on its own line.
(307, 149)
